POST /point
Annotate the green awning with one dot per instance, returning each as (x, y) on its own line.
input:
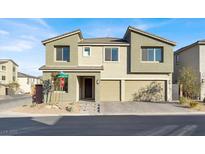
(62, 75)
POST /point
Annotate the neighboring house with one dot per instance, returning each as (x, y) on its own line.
(112, 69)
(191, 56)
(26, 82)
(8, 74)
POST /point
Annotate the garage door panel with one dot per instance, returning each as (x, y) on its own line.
(144, 90)
(110, 90)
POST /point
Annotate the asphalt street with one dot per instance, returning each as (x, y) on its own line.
(190, 125)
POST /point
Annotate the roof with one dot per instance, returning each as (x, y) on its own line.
(71, 68)
(2, 61)
(199, 42)
(63, 36)
(104, 41)
(23, 75)
(108, 40)
(136, 30)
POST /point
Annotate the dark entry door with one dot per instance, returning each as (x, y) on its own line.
(88, 88)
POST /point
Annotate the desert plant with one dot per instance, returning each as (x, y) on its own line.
(183, 100)
(193, 104)
(188, 80)
(153, 92)
(68, 108)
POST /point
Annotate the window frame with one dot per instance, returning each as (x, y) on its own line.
(152, 47)
(84, 51)
(4, 67)
(177, 59)
(118, 60)
(55, 53)
(4, 77)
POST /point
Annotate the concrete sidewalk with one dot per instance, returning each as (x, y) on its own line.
(143, 108)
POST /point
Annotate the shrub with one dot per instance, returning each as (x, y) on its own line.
(69, 109)
(189, 82)
(193, 104)
(184, 100)
(204, 100)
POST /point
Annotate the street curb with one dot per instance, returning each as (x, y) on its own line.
(10, 115)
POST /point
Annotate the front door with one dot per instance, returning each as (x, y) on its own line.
(88, 88)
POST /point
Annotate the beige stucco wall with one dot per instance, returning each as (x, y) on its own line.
(138, 41)
(8, 72)
(188, 58)
(71, 41)
(2, 90)
(202, 69)
(135, 87)
(110, 90)
(95, 59)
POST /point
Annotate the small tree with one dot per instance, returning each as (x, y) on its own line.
(190, 85)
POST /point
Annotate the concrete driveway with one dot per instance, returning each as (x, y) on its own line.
(143, 108)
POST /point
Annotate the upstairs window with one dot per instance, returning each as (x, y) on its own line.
(86, 51)
(111, 54)
(3, 77)
(63, 54)
(14, 69)
(177, 59)
(3, 68)
(152, 54)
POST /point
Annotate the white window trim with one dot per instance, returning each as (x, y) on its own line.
(158, 62)
(84, 51)
(55, 58)
(111, 61)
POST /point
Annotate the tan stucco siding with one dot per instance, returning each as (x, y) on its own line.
(135, 89)
(2, 90)
(188, 58)
(138, 41)
(110, 90)
(95, 59)
(8, 72)
(71, 41)
(202, 69)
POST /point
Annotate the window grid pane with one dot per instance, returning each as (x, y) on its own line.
(66, 54)
(108, 56)
(158, 54)
(59, 54)
(114, 54)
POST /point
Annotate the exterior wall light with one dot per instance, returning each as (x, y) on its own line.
(97, 81)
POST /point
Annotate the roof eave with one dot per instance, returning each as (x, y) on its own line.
(130, 28)
(63, 36)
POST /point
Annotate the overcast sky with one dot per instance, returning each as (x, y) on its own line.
(20, 39)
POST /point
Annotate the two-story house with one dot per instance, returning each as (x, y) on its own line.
(8, 74)
(191, 56)
(26, 82)
(111, 69)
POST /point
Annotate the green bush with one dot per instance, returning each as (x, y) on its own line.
(184, 100)
(193, 104)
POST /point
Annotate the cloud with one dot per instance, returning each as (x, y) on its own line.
(41, 22)
(3, 32)
(149, 25)
(18, 46)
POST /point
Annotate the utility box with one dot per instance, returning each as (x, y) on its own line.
(39, 94)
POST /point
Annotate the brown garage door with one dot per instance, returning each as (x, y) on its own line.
(144, 90)
(110, 90)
